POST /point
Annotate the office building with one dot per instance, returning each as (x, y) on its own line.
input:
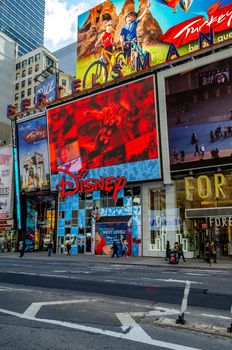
(8, 51)
(23, 21)
(30, 72)
(67, 58)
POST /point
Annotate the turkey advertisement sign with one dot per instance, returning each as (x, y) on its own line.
(110, 134)
(118, 38)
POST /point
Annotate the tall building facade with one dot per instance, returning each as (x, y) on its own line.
(8, 52)
(67, 58)
(23, 21)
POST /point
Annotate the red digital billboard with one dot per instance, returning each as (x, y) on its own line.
(112, 128)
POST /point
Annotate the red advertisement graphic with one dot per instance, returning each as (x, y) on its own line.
(110, 128)
(219, 19)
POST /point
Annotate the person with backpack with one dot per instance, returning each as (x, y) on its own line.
(115, 250)
(181, 252)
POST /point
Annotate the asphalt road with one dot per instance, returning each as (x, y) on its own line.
(52, 304)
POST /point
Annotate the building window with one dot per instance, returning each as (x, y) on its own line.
(22, 94)
(29, 92)
(29, 82)
(18, 65)
(49, 62)
(64, 82)
(37, 57)
(16, 97)
(17, 76)
(30, 60)
(37, 68)
(23, 84)
(23, 73)
(24, 63)
(16, 86)
(30, 70)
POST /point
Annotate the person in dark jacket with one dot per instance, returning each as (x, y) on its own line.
(167, 250)
(115, 250)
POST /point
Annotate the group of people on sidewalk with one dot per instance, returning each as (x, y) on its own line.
(174, 255)
(115, 250)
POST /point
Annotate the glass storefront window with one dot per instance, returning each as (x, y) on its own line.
(205, 203)
(157, 219)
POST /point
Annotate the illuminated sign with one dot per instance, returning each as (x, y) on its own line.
(108, 184)
(110, 133)
(205, 187)
(124, 37)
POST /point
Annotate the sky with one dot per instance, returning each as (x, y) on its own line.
(61, 21)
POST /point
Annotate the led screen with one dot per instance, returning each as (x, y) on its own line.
(199, 115)
(110, 133)
(120, 37)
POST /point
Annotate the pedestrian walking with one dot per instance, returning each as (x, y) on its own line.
(197, 150)
(115, 250)
(167, 250)
(213, 252)
(50, 248)
(124, 249)
(181, 252)
(21, 248)
(207, 254)
(68, 248)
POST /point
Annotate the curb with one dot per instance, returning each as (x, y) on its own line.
(203, 328)
(95, 260)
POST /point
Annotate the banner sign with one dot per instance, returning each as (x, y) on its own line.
(33, 155)
(112, 134)
(6, 173)
(47, 88)
(106, 234)
(117, 38)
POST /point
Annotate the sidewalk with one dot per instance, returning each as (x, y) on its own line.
(222, 263)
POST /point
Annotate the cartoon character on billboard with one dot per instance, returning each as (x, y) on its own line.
(128, 35)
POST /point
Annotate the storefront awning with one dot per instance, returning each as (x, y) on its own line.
(113, 219)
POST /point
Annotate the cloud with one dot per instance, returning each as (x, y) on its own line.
(61, 21)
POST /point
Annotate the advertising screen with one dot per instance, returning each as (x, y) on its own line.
(6, 173)
(112, 133)
(120, 37)
(33, 155)
(199, 115)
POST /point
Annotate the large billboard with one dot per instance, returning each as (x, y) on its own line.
(6, 173)
(199, 115)
(112, 133)
(120, 37)
(33, 155)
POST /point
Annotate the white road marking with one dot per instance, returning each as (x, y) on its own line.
(158, 311)
(34, 308)
(196, 274)
(176, 281)
(135, 332)
(216, 316)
